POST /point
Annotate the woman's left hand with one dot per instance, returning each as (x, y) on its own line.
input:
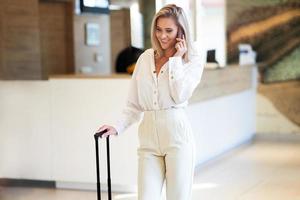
(180, 46)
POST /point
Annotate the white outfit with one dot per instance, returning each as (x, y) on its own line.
(166, 140)
(166, 152)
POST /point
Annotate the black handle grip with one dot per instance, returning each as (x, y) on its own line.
(99, 134)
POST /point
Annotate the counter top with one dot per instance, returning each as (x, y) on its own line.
(127, 76)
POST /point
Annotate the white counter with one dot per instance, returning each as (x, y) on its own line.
(47, 126)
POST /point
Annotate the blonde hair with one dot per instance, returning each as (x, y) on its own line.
(177, 13)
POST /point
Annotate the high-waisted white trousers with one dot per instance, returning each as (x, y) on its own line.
(166, 153)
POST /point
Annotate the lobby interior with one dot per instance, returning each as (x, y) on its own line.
(62, 75)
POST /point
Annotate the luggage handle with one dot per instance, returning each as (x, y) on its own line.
(96, 136)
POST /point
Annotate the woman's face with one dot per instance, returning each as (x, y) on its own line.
(166, 32)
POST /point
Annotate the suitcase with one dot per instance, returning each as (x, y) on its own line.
(96, 136)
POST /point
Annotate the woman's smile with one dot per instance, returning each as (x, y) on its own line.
(163, 42)
(166, 32)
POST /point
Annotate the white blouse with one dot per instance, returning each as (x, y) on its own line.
(171, 88)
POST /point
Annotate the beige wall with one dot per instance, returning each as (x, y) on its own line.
(88, 55)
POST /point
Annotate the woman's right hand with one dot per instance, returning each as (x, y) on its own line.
(109, 131)
(180, 47)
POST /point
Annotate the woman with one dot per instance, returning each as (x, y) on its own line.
(164, 79)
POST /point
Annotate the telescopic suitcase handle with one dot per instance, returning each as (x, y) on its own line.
(96, 136)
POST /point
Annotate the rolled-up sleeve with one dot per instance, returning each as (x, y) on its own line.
(184, 77)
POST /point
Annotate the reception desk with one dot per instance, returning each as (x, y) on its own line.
(47, 127)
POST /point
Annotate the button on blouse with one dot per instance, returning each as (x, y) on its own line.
(171, 88)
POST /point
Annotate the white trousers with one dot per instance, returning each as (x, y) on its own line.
(166, 153)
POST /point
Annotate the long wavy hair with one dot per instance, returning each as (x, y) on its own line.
(178, 14)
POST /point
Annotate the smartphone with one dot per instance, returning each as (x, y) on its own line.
(180, 33)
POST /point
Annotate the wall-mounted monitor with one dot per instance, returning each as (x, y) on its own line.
(94, 6)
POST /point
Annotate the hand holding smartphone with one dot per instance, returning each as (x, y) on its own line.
(180, 45)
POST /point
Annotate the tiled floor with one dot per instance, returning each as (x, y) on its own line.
(260, 171)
